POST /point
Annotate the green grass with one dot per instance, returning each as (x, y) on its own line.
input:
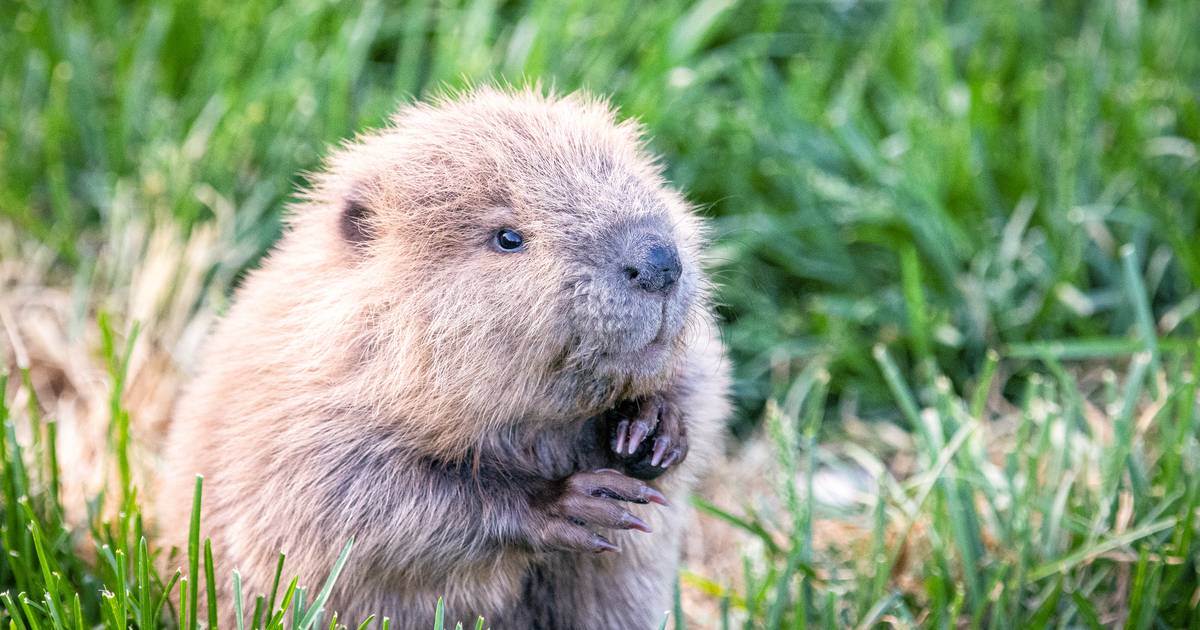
(1026, 540)
(943, 215)
(1052, 514)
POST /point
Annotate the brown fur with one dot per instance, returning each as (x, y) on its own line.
(387, 376)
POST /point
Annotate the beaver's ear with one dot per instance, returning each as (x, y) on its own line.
(355, 221)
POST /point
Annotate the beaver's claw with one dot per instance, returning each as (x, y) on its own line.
(593, 500)
(652, 417)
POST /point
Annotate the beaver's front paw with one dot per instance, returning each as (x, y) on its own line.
(648, 435)
(590, 500)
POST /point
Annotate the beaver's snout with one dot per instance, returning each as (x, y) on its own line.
(631, 301)
(653, 265)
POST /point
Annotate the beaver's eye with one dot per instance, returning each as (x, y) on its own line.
(509, 240)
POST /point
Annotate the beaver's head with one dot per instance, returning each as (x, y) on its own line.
(514, 256)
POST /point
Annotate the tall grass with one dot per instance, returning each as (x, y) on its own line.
(1004, 148)
(1057, 519)
(1074, 505)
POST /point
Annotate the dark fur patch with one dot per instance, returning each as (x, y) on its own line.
(498, 480)
(355, 223)
(544, 492)
(540, 602)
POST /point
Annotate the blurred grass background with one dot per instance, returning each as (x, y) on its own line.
(1004, 149)
(959, 220)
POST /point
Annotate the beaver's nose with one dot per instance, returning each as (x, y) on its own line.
(654, 266)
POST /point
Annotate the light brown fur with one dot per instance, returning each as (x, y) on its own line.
(424, 394)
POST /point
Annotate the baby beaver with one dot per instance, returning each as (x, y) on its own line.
(484, 350)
